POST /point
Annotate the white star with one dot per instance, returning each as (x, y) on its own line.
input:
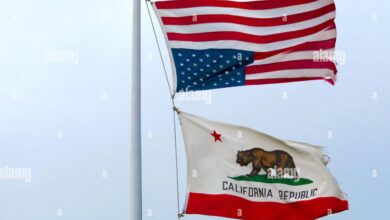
(221, 66)
(214, 61)
(201, 60)
(201, 70)
(195, 83)
(183, 81)
(193, 55)
(215, 84)
(207, 55)
(208, 65)
(182, 73)
(189, 77)
(214, 71)
(201, 79)
(181, 64)
(247, 58)
(220, 56)
(180, 55)
(189, 69)
(188, 60)
(207, 75)
(195, 64)
(195, 74)
(239, 81)
(234, 57)
(232, 79)
(238, 73)
(227, 83)
(233, 68)
(240, 63)
(227, 61)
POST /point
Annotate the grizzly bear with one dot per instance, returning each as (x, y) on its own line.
(265, 160)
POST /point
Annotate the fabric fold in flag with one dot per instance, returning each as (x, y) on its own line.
(223, 43)
(240, 173)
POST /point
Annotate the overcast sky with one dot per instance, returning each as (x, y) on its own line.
(65, 112)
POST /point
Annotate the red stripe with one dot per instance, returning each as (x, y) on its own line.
(229, 206)
(232, 35)
(255, 5)
(289, 65)
(309, 46)
(258, 22)
(285, 80)
(332, 26)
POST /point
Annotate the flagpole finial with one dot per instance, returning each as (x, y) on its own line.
(180, 215)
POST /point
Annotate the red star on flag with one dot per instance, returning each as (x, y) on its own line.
(217, 137)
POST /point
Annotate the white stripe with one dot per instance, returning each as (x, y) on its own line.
(305, 55)
(240, 45)
(267, 13)
(324, 73)
(214, 27)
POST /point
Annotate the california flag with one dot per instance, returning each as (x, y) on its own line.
(240, 173)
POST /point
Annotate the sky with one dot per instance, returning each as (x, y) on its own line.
(65, 112)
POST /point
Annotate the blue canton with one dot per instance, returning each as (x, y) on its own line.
(210, 69)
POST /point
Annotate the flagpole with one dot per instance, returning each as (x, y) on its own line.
(135, 148)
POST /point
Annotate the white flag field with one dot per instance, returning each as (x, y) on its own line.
(240, 173)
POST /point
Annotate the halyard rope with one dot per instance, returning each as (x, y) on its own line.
(174, 109)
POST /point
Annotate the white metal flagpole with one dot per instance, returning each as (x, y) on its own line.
(135, 148)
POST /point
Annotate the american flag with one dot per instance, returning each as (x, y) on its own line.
(224, 43)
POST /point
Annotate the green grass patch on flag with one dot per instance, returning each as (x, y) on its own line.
(265, 179)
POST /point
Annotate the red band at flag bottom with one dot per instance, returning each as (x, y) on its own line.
(235, 207)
